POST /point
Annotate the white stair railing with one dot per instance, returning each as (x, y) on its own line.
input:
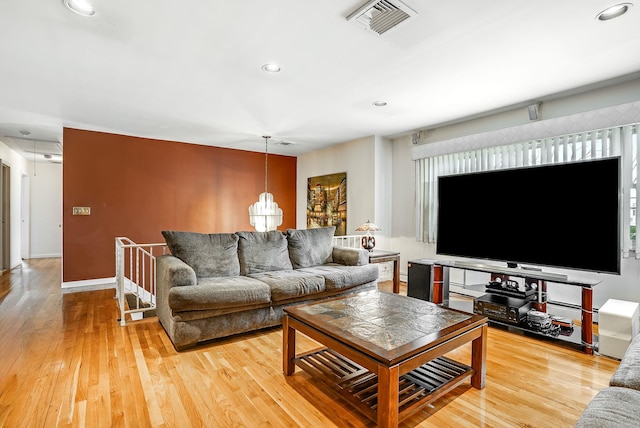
(351, 241)
(136, 275)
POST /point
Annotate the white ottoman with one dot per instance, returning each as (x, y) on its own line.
(618, 324)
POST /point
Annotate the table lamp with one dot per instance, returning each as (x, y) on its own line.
(368, 240)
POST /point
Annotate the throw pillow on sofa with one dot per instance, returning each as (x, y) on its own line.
(310, 247)
(210, 255)
(263, 252)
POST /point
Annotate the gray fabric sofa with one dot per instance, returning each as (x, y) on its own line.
(217, 285)
(619, 404)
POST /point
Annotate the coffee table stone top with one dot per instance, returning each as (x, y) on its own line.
(382, 320)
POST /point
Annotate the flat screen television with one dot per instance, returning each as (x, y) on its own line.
(560, 215)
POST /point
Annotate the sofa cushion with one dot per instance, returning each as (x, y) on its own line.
(628, 372)
(222, 292)
(262, 252)
(208, 254)
(338, 277)
(350, 256)
(291, 284)
(310, 247)
(612, 407)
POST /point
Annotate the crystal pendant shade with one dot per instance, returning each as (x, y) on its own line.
(265, 215)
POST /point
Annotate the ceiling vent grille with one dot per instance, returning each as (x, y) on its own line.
(381, 16)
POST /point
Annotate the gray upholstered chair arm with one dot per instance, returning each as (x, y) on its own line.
(350, 256)
(173, 272)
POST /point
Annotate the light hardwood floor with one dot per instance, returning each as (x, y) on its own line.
(66, 362)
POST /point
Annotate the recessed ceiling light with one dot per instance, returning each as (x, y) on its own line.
(271, 68)
(379, 103)
(81, 7)
(613, 11)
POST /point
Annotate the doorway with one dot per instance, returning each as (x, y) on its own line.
(5, 216)
(25, 220)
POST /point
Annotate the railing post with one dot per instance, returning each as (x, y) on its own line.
(350, 241)
(120, 279)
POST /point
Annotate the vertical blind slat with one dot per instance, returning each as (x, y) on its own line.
(623, 148)
(631, 135)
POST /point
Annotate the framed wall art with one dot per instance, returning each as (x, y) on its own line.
(327, 202)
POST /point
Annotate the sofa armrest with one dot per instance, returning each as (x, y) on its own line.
(612, 407)
(350, 256)
(628, 372)
(170, 272)
(173, 272)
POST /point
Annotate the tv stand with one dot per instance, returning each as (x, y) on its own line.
(441, 289)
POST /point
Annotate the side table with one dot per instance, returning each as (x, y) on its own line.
(380, 256)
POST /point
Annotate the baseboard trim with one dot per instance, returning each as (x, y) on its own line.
(44, 256)
(99, 283)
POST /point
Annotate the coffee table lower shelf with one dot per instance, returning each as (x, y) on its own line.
(359, 386)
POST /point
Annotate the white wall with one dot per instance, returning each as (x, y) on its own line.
(357, 159)
(46, 210)
(556, 107)
(19, 166)
(404, 208)
(383, 181)
(368, 164)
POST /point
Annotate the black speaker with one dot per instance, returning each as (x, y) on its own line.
(420, 280)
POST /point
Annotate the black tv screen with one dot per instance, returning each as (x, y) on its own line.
(561, 215)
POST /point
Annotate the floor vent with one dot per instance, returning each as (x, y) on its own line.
(381, 16)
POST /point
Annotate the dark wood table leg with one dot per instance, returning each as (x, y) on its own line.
(388, 396)
(387, 256)
(479, 359)
(396, 275)
(587, 320)
(288, 347)
(438, 284)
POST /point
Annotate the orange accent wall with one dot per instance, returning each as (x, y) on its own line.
(137, 187)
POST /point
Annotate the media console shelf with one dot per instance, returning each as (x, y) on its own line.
(440, 285)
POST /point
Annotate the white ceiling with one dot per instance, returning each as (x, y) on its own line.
(190, 70)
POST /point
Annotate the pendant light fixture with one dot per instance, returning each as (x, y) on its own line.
(265, 215)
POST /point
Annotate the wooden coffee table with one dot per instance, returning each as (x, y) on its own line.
(384, 352)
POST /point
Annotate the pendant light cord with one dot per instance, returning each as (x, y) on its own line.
(266, 160)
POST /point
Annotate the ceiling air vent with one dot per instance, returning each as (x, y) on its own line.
(381, 16)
